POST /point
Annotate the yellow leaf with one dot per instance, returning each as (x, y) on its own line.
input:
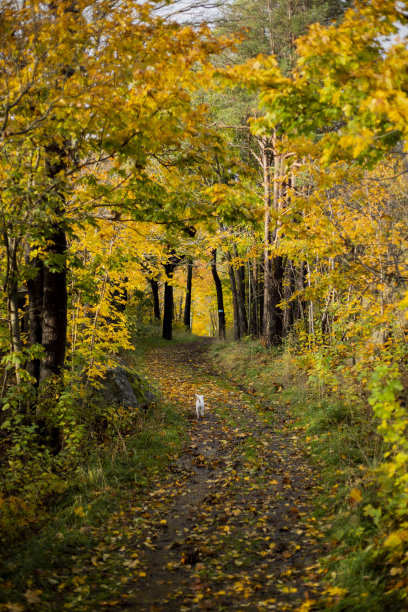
(355, 496)
(306, 605)
(393, 541)
(336, 591)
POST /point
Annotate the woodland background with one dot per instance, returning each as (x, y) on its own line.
(244, 178)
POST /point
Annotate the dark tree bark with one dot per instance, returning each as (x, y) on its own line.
(265, 146)
(168, 308)
(233, 283)
(47, 288)
(220, 297)
(288, 291)
(277, 296)
(11, 288)
(261, 293)
(187, 304)
(35, 288)
(240, 285)
(54, 307)
(273, 265)
(154, 284)
(253, 301)
(54, 281)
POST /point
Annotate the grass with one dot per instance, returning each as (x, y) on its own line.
(340, 437)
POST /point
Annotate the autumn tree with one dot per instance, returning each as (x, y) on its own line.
(84, 83)
(271, 28)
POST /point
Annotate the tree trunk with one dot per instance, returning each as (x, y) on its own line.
(187, 304)
(261, 293)
(35, 311)
(265, 151)
(52, 284)
(233, 283)
(278, 268)
(168, 308)
(54, 306)
(273, 265)
(253, 298)
(220, 298)
(289, 312)
(154, 284)
(11, 289)
(240, 285)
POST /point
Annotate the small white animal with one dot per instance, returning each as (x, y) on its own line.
(199, 405)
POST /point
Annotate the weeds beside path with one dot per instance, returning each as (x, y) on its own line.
(230, 527)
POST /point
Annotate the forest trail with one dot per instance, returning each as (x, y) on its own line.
(228, 527)
(222, 523)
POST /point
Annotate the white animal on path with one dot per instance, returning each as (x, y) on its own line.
(199, 405)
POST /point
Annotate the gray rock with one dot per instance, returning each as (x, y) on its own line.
(123, 387)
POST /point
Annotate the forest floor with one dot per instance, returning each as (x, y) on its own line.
(226, 523)
(228, 526)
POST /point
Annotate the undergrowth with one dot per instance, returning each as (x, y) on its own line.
(122, 464)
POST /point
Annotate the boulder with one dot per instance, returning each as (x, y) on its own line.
(123, 387)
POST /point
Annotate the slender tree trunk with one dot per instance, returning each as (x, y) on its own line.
(187, 304)
(11, 289)
(168, 307)
(54, 323)
(311, 308)
(273, 264)
(253, 298)
(220, 298)
(156, 300)
(277, 296)
(35, 311)
(231, 274)
(240, 288)
(288, 291)
(261, 293)
(13, 302)
(268, 314)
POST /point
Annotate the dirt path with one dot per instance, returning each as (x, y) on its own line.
(228, 527)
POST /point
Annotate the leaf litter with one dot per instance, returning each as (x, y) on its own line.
(225, 525)
(230, 528)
